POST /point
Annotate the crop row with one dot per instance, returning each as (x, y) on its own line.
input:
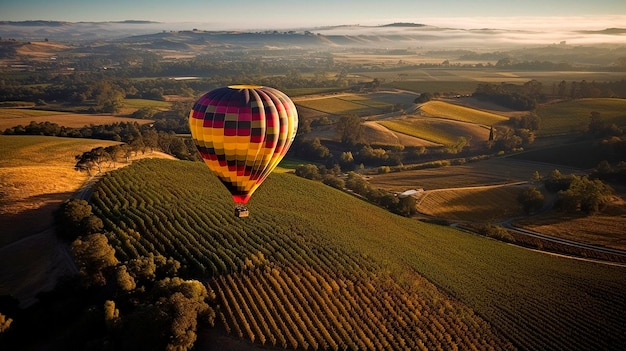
(282, 280)
(299, 307)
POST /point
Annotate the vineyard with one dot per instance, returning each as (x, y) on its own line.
(302, 273)
(473, 204)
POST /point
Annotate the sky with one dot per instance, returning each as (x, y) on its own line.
(278, 14)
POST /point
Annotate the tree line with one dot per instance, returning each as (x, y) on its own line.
(526, 96)
(137, 138)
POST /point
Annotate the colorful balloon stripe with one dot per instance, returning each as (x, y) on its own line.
(242, 133)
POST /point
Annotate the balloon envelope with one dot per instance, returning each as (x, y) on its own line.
(242, 133)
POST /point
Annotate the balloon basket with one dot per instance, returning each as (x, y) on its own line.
(241, 212)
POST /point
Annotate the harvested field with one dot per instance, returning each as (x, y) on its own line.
(12, 117)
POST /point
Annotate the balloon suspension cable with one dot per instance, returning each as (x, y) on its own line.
(241, 211)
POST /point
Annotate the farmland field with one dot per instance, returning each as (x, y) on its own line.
(328, 274)
(344, 104)
(479, 204)
(436, 130)
(11, 117)
(480, 173)
(573, 116)
(460, 113)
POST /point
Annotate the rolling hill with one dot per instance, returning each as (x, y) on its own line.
(330, 271)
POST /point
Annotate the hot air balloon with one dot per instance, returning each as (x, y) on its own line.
(242, 133)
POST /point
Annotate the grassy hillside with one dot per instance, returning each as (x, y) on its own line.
(573, 116)
(460, 113)
(34, 172)
(314, 266)
(436, 130)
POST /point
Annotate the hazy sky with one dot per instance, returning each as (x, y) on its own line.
(258, 14)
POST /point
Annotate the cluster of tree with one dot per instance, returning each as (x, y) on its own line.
(518, 97)
(495, 231)
(600, 128)
(352, 150)
(137, 304)
(531, 199)
(584, 89)
(354, 182)
(610, 173)
(510, 139)
(578, 193)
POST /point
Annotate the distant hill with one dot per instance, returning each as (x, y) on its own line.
(403, 24)
(387, 36)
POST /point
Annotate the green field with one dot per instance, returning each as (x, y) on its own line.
(573, 116)
(321, 265)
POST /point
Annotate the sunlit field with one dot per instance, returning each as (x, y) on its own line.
(10, 117)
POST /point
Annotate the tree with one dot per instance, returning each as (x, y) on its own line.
(111, 314)
(5, 323)
(307, 171)
(72, 218)
(124, 281)
(356, 183)
(588, 196)
(92, 158)
(109, 98)
(93, 255)
(424, 97)
(350, 130)
(531, 199)
(600, 128)
(91, 224)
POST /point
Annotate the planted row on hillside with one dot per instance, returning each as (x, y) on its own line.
(277, 281)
